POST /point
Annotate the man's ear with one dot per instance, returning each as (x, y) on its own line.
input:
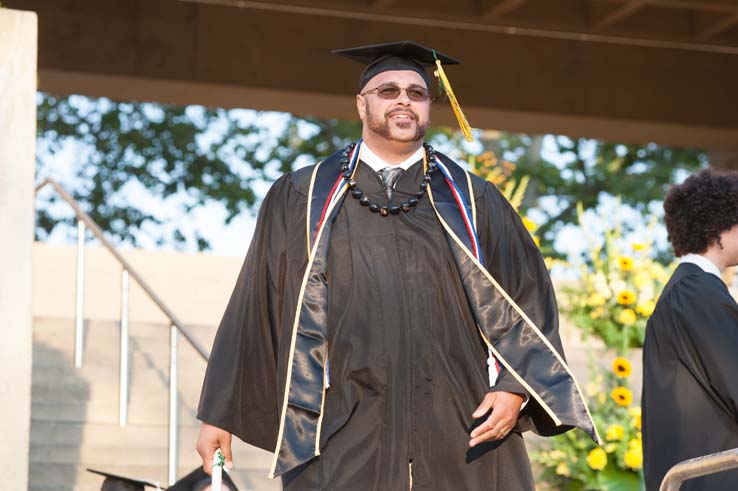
(361, 106)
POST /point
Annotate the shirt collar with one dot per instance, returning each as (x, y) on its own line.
(704, 263)
(377, 164)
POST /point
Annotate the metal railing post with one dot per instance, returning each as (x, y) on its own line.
(123, 382)
(79, 323)
(173, 405)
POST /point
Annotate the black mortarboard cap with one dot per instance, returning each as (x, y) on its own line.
(194, 481)
(114, 482)
(402, 55)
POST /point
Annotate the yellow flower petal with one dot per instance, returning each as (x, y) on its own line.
(595, 300)
(563, 469)
(641, 279)
(530, 225)
(627, 317)
(597, 459)
(614, 433)
(597, 313)
(557, 454)
(646, 308)
(633, 458)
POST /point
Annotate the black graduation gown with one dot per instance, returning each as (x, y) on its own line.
(407, 364)
(690, 384)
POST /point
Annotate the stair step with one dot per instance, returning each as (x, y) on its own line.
(65, 329)
(105, 434)
(74, 419)
(107, 413)
(140, 455)
(84, 385)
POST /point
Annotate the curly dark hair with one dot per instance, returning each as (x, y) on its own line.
(700, 209)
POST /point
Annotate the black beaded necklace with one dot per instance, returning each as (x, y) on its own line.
(387, 210)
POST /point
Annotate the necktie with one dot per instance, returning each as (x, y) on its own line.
(389, 178)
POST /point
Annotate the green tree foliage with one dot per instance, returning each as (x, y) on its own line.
(219, 155)
(585, 169)
(208, 154)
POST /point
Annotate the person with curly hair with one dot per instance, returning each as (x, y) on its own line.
(690, 355)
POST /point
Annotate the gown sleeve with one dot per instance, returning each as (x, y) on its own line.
(240, 390)
(708, 327)
(514, 260)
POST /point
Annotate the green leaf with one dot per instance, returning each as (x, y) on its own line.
(612, 479)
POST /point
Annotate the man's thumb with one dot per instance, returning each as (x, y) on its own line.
(225, 447)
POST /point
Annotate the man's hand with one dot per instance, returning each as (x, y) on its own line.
(210, 439)
(505, 409)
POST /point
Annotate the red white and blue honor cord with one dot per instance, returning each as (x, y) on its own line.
(493, 364)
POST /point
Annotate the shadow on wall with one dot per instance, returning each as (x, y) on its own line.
(59, 398)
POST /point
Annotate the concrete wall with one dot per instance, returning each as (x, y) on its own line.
(195, 286)
(17, 166)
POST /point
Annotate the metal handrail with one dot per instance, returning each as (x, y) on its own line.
(176, 326)
(84, 217)
(700, 466)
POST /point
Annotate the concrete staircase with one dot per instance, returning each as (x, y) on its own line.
(75, 411)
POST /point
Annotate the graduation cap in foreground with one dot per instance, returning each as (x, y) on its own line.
(407, 55)
(114, 482)
(198, 480)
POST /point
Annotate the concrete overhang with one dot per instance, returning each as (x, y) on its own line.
(622, 70)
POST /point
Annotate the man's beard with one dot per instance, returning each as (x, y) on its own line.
(381, 125)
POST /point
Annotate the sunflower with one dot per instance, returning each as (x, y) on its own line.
(621, 367)
(626, 297)
(622, 396)
(597, 459)
(627, 317)
(625, 263)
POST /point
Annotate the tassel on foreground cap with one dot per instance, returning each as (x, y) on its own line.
(407, 55)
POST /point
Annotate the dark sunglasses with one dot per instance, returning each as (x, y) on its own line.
(392, 91)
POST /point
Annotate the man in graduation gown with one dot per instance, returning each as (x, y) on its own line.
(690, 356)
(392, 316)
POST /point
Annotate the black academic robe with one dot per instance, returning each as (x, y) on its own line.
(690, 384)
(407, 364)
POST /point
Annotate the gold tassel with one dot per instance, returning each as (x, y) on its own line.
(463, 123)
